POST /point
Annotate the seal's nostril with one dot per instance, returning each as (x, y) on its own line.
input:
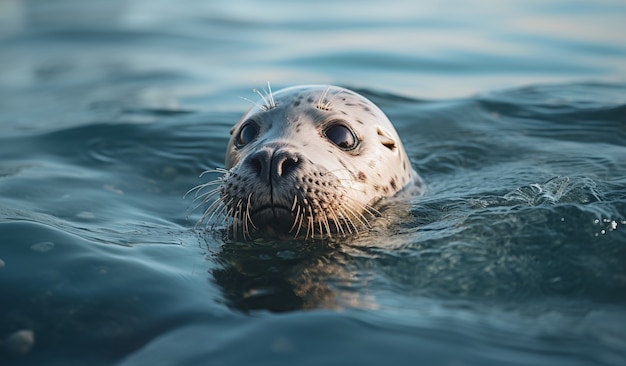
(286, 164)
(259, 163)
(268, 164)
(256, 165)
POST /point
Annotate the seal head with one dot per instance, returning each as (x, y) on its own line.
(309, 162)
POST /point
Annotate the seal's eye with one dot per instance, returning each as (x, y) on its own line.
(341, 136)
(247, 133)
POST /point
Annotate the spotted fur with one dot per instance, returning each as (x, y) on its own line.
(291, 180)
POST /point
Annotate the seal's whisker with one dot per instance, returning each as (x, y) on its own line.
(197, 189)
(301, 223)
(220, 210)
(356, 211)
(237, 218)
(220, 200)
(317, 216)
(354, 226)
(266, 103)
(329, 104)
(248, 212)
(244, 223)
(353, 215)
(295, 222)
(271, 96)
(206, 212)
(306, 216)
(232, 213)
(216, 170)
(206, 196)
(245, 227)
(322, 219)
(345, 220)
(295, 219)
(336, 222)
(310, 227)
(260, 106)
(371, 210)
(201, 187)
(202, 219)
(208, 184)
(310, 224)
(319, 223)
(295, 202)
(223, 211)
(240, 212)
(301, 211)
(248, 209)
(209, 209)
(198, 205)
(230, 210)
(267, 97)
(214, 197)
(326, 224)
(322, 102)
(297, 213)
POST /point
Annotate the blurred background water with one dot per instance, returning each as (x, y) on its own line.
(514, 113)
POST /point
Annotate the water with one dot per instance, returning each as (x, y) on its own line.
(514, 114)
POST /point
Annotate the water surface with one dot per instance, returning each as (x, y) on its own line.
(514, 115)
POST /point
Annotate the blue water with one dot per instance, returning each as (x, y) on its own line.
(514, 114)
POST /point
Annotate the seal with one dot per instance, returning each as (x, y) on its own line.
(307, 162)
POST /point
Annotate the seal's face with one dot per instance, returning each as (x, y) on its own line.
(310, 162)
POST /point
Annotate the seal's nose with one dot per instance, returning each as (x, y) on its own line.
(273, 164)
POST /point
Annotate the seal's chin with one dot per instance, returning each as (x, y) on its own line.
(274, 219)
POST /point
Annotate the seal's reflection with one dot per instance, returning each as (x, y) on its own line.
(281, 276)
